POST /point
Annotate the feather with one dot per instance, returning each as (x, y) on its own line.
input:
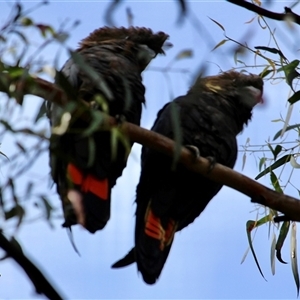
(108, 65)
(211, 114)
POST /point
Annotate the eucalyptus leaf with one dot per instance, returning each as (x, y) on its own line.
(281, 238)
(281, 161)
(278, 134)
(275, 182)
(250, 225)
(294, 256)
(272, 255)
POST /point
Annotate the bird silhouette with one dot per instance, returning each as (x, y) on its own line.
(105, 72)
(209, 117)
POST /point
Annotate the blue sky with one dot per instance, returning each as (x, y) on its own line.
(205, 258)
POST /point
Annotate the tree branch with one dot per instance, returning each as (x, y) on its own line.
(40, 282)
(224, 175)
(289, 14)
(257, 192)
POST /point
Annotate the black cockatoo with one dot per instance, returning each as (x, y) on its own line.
(118, 56)
(210, 117)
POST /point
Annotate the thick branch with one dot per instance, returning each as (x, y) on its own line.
(257, 192)
(41, 284)
(267, 13)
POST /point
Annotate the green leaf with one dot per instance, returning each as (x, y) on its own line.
(294, 98)
(275, 183)
(260, 222)
(64, 83)
(99, 99)
(290, 72)
(289, 78)
(272, 50)
(244, 160)
(237, 60)
(26, 21)
(260, 22)
(119, 136)
(219, 44)
(277, 150)
(261, 162)
(281, 238)
(289, 67)
(294, 256)
(277, 135)
(272, 256)
(271, 148)
(11, 213)
(15, 71)
(265, 72)
(114, 142)
(44, 29)
(96, 121)
(217, 23)
(17, 211)
(281, 161)
(48, 207)
(71, 237)
(188, 53)
(250, 225)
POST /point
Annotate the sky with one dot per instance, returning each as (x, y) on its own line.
(205, 259)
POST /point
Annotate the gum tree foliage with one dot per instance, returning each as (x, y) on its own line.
(21, 199)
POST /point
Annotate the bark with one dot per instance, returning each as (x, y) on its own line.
(258, 193)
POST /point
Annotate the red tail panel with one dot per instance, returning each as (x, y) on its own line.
(74, 174)
(154, 229)
(89, 183)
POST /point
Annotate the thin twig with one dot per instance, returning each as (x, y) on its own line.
(288, 14)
